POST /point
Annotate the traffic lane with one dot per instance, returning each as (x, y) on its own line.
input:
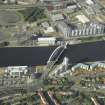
(25, 55)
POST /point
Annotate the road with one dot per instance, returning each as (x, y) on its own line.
(20, 7)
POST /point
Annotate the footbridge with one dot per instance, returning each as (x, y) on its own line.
(54, 57)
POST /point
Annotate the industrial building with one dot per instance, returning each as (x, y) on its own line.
(16, 70)
(46, 41)
(91, 29)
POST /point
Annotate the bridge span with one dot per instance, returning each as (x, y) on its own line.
(33, 56)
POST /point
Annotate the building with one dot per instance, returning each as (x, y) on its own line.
(17, 70)
(82, 18)
(71, 7)
(46, 41)
(100, 86)
(64, 28)
(92, 66)
(101, 65)
(89, 2)
(97, 64)
(47, 28)
(91, 29)
(80, 65)
(65, 63)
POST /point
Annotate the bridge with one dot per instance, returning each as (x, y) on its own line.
(33, 56)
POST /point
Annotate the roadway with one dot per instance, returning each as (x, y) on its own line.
(32, 56)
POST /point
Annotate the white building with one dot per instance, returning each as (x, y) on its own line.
(88, 30)
(97, 64)
(92, 66)
(16, 70)
(72, 7)
(80, 65)
(101, 65)
(82, 18)
(89, 2)
(65, 62)
(49, 30)
(47, 41)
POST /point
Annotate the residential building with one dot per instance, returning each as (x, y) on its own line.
(101, 65)
(97, 64)
(80, 65)
(91, 29)
(92, 66)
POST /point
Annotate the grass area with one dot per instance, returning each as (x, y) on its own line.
(32, 14)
